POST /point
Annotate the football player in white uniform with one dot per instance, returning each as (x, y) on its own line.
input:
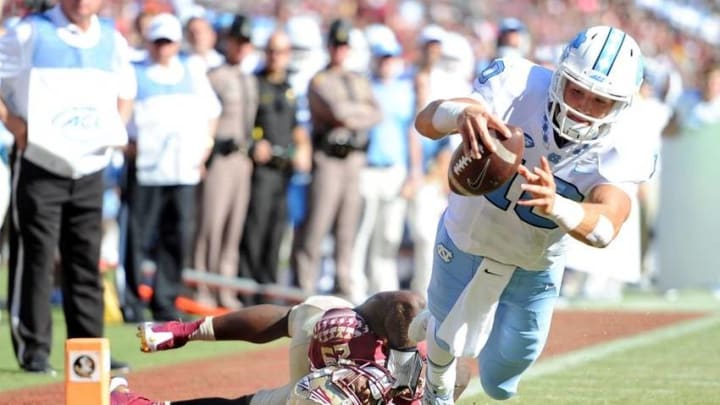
(499, 257)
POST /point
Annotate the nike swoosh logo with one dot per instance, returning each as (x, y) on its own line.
(491, 273)
(474, 183)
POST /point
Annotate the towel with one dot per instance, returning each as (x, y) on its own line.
(467, 326)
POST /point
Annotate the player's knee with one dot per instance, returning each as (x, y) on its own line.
(496, 390)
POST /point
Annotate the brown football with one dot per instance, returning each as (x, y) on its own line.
(468, 176)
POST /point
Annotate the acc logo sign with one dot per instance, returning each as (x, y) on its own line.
(78, 123)
(445, 254)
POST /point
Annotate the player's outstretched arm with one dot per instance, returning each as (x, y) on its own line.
(255, 324)
(595, 222)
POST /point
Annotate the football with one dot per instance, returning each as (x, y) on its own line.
(468, 176)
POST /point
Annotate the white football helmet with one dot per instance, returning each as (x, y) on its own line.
(346, 384)
(605, 61)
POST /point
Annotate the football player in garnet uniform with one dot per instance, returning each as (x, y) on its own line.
(338, 354)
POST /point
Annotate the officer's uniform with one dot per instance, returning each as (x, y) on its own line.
(342, 108)
(267, 214)
(226, 188)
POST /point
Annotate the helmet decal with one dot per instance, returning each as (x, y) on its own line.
(610, 50)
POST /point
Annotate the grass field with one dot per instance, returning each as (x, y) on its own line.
(679, 364)
(676, 365)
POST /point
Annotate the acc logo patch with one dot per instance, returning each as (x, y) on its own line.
(445, 254)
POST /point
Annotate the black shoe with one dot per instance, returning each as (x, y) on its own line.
(133, 314)
(118, 367)
(40, 368)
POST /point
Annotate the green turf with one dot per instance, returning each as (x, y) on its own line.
(123, 345)
(679, 371)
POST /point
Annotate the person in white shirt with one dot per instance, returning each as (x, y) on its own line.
(202, 38)
(66, 84)
(173, 121)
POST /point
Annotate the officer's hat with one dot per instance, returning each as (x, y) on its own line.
(241, 28)
(339, 32)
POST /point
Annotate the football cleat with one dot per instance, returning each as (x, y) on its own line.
(166, 335)
(434, 396)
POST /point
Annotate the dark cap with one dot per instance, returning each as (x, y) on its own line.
(241, 28)
(339, 32)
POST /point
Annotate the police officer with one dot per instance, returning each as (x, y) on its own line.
(342, 108)
(226, 188)
(280, 143)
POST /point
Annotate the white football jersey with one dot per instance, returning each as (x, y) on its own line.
(493, 225)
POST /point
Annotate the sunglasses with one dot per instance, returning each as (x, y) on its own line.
(162, 41)
(277, 51)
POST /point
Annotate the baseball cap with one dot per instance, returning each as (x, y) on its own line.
(339, 32)
(432, 33)
(241, 28)
(164, 26)
(511, 24)
(304, 32)
(382, 40)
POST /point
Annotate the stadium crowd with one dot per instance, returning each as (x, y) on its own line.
(299, 153)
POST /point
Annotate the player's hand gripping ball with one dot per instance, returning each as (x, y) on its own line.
(468, 176)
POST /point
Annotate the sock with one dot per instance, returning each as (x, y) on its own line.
(441, 364)
(204, 331)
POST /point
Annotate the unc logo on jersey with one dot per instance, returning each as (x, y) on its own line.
(554, 158)
(445, 254)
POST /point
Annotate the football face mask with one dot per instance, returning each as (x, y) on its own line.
(348, 384)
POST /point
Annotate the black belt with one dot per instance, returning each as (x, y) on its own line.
(227, 146)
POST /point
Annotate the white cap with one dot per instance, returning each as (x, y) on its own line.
(432, 33)
(304, 32)
(382, 40)
(164, 26)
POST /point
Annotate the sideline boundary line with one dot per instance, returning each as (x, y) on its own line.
(581, 357)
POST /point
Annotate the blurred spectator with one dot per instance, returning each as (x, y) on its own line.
(513, 39)
(706, 111)
(201, 38)
(430, 43)
(173, 122)
(63, 142)
(226, 188)
(605, 271)
(375, 254)
(308, 57)
(280, 144)
(137, 39)
(343, 108)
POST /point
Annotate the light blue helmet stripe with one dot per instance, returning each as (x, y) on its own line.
(609, 52)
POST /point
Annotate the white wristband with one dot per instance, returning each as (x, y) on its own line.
(602, 234)
(568, 214)
(444, 119)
